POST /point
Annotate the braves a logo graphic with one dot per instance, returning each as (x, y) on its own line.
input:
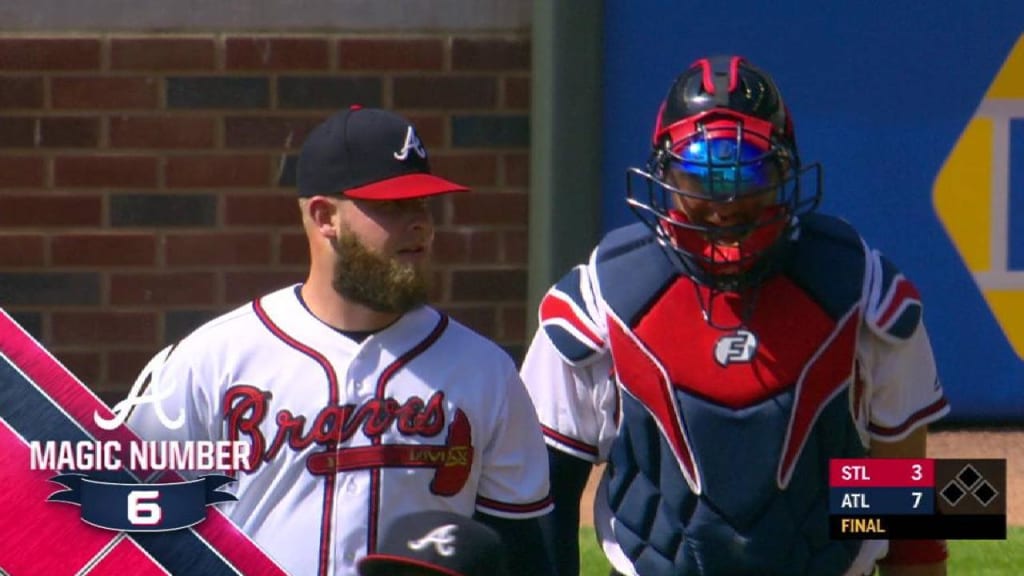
(738, 347)
(441, 538)
(412, 143)
(136, 397)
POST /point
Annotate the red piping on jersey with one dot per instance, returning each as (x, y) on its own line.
(921, 414)
(570, 442)
(332, 381)
(527, 508)
(557, 306)
(904, 293)
(382, 383)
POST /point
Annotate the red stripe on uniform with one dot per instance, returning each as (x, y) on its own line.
(904, 292)
(570, 442)
(554, 306)
(382, 383)
(326, 512)
(527, 508)
(916, 417)
(415, 351)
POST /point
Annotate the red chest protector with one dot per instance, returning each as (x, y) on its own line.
(789, 341)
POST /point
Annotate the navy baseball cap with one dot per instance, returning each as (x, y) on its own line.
(370, 154)
(440, 543)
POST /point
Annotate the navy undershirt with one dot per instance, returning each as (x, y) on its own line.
(356, 335)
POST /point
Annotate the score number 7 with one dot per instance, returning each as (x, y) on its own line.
(917, 498)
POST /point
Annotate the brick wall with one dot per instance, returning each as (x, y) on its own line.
(146, 181)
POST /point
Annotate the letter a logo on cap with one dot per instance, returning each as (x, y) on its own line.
(412, 142)
(441, 538)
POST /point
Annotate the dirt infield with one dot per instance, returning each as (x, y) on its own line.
(989, 444)
(948, 444)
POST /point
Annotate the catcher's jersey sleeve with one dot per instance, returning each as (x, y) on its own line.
(568, 369)
(576, 405)
(903, 385)
(897, 365)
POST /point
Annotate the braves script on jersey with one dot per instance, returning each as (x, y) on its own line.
(346, 437)
(717, 435)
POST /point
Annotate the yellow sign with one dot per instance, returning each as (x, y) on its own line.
(972, 197)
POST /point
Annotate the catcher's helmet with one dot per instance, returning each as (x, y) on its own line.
(723, 138)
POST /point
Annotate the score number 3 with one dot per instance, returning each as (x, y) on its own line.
(915, 474)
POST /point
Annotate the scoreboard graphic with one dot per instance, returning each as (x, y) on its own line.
(907, 499)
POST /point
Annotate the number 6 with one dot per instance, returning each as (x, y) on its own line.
(143, 509)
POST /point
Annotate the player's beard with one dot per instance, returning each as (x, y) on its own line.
(380, 283)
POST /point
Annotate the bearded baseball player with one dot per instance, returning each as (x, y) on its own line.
(718, 353)
(360, 403)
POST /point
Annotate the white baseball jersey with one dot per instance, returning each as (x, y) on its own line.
(347, 436)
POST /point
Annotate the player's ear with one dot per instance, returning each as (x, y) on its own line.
(320, 213)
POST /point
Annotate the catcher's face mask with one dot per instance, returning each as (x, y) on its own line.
(724, 185)
(722, 200)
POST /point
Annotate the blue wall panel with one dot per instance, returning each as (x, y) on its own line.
(880, 93)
